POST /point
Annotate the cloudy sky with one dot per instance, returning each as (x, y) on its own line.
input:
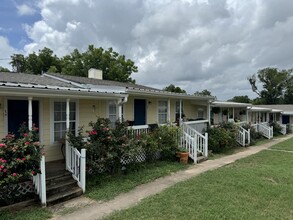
(194, 44)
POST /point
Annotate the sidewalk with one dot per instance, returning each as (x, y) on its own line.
(88, 209)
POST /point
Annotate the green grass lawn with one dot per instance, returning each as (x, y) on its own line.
(285, 145)
(256, 187)
(32, 213)
(107, 187)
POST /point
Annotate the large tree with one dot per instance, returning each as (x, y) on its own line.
(3, 69)
(203, 92)
(274, 83)
(241, 99)
(18, 63)
(173, 88)
(114, 66)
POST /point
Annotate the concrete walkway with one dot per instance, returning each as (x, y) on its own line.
(97, 210)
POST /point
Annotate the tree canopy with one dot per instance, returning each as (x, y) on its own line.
(276, 86)
(3, 69)
(114, 66)
(173, 88)
(241, 99)
(203, 92)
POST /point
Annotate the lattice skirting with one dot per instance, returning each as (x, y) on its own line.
(16, 192)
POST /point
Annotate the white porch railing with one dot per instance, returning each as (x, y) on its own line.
(194, 142)
(199, 126)
(243, 136)
(136, 130)
(75, 163)
(39, 182)
(283, 128)
(265, 129)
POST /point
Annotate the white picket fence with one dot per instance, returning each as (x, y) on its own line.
(75, 163)
(243, 136)
(39, 182)
(264, 129)
(194, 142)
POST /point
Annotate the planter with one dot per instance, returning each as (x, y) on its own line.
(183, 157)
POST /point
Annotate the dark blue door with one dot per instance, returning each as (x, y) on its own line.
(285, 119)
(18, 113)
(139, 112)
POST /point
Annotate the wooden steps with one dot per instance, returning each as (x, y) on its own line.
(61, 187)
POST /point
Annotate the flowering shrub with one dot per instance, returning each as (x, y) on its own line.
(105, 147)
(108, 148)
(19, 158)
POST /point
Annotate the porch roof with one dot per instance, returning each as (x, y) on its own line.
(230, 104)
(259, 109)
(21, 84)
(285, 109)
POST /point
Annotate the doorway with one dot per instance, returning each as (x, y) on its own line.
(139, 111)
(18, 113)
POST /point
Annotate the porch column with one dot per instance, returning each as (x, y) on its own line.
(67, 149)
(180, 112)
(209, 112)
(120, 113)
(247, 119)
(168, 117)
(30, 113)
(233, 113)
(67, 114)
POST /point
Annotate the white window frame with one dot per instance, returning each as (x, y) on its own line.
(200, 111)
(109, 103)
(165, 113)
(52, 121)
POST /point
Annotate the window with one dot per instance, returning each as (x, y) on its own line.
(200, 113)
(112, 113)
(177, 110)
(60, 119)
(162, 112)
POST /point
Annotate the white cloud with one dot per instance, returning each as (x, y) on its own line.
(6, 51)
(25, 9)
(195, 44)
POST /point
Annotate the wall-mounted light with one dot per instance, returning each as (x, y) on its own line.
(149, 102)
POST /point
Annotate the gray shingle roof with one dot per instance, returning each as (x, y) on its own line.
(280, 107)
(22, 78)
(85, 80)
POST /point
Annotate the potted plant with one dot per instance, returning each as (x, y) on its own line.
(182, 154)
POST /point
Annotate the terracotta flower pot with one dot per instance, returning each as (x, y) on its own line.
(183, 156)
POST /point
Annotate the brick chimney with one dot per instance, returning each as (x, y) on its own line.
(95, 73)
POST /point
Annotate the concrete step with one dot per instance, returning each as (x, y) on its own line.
(70, 193)
(60, 186)
(201, 159)
(58, 178)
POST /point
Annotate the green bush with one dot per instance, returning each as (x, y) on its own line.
(19, 161)
(167, 139)
(254, 135)
(276, 128)
(221, 138)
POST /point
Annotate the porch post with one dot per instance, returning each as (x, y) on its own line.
(120, 113)
(168, 117)
(209, 112)
(247, 120)
(67, 151)
(180, 112)
(30, 113)
(233, 114)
